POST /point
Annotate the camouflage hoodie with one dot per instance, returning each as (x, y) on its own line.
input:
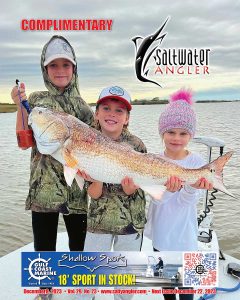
(48, 189)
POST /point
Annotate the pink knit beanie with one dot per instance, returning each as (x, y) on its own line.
(178, 113)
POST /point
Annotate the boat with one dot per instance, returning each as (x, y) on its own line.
(228, 275)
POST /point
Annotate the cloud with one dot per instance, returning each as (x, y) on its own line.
(105, 57)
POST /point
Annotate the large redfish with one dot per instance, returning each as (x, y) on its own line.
(78, 146)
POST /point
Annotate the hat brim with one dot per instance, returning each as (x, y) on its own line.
(56, 56)
(123, 100)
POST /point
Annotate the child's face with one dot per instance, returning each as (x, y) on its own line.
(60, 72)
(112, 116)
(176, 139)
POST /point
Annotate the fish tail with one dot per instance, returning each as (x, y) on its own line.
(216, 167)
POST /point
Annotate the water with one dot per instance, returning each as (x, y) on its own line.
(214, 119)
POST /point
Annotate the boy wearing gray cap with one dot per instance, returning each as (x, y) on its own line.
(49, 194)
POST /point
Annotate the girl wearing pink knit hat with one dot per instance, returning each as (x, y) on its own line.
(172, 222)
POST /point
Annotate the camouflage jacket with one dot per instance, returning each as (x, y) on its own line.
(48, 189)
(115, 212)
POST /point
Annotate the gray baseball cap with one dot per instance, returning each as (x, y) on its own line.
(58, 48)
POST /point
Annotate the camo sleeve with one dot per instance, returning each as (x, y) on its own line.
(135, 142)
(32, 99)
(40, 98)
(140, 147)
(84, 112)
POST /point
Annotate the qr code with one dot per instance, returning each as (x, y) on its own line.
(200, 269)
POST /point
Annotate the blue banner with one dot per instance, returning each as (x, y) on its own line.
(121, 269)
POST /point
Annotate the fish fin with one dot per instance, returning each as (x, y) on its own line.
(80, 181)
(155, 191)
(216, 167)
(69, 159)
(69, 174)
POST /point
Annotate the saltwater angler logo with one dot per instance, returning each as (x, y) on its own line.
(168, 61)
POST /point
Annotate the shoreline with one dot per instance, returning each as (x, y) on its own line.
(8, 107)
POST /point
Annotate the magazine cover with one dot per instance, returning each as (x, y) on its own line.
(119, 150)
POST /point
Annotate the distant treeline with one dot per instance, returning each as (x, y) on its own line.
(9, 107)
(156, 100)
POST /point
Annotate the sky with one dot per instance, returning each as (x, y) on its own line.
(107, 58)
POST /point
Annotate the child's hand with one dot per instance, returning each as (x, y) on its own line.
(15, 96)
(85, 176)
(173, 184)
(203, 184)
(129, 186)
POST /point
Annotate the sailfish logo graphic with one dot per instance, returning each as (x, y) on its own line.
(144, 52)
